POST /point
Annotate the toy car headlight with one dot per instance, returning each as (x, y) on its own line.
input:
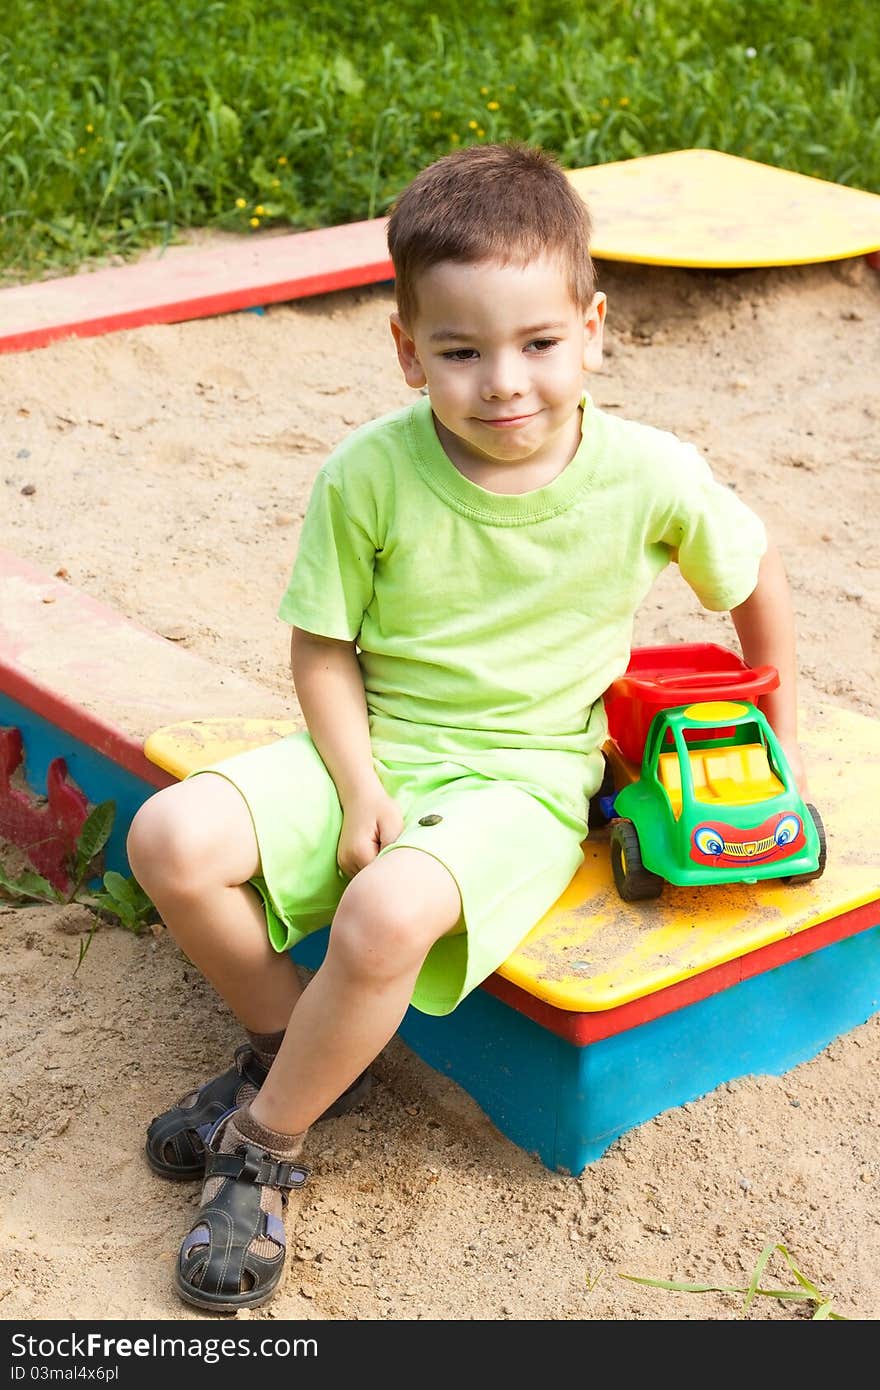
(708, 840)
(787, 830)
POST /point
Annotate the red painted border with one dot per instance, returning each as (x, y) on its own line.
(192, 283)
(96, 733)
(199, 308)
(90, 629)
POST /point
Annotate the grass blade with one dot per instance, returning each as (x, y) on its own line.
(801, 1278)
(756, 1274)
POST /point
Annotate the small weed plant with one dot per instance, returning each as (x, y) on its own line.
(118, 898)
(806, 1291)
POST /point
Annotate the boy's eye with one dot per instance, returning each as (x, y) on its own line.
(460, 354)
(543, 344)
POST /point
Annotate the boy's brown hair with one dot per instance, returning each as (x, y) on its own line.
(510, 203)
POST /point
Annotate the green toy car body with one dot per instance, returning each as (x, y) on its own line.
(716, 802)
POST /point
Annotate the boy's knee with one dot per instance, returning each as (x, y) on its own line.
(155, 839)
(375, 936)
(192, 837)
(171, 845)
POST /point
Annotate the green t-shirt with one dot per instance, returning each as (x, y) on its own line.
(489, 626)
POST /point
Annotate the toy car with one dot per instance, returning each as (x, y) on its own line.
(716, 802)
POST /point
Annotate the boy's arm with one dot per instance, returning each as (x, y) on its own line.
(330, 690)
(765, 628)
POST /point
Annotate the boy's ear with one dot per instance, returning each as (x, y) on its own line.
(594, 330)
(407, 356)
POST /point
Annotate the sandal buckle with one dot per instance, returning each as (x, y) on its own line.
(252, 1162)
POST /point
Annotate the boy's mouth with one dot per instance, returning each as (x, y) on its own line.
(507, 421)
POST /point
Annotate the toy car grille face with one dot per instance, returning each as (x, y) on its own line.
(777, 838)
(750, 848)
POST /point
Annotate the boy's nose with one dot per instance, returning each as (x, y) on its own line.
(504, 377)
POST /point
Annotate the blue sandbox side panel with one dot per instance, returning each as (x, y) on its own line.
(100, 778)
(765, 1025)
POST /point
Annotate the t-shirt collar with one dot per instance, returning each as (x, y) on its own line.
(499, 509)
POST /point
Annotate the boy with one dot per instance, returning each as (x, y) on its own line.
(463, 593)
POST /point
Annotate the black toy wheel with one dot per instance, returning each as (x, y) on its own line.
(795, 879)
(634, 882)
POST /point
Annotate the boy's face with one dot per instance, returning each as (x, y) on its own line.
(503, 350)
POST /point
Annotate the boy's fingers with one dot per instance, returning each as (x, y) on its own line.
(389, 827)
(357, 856)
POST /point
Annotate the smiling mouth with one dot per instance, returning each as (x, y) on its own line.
(507, 421)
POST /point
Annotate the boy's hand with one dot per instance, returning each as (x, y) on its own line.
(370, 821)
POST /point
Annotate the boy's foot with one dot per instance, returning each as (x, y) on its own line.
(175, 1146)
(234, 1254)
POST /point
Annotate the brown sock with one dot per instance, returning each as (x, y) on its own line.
(284, 1146)
(265, 1045)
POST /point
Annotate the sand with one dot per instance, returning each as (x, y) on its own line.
(166, 471)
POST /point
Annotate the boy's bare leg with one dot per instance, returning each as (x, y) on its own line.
(389, 917)
(192, 848)
(192, 856)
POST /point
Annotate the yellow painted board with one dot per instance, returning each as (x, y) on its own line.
(592, 951)
(702, 208)
(181, 748)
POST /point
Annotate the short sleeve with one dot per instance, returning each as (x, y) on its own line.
(331, 584)
(716, 538)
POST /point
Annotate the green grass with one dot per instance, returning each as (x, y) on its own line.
(807, 1294)
(123, 121)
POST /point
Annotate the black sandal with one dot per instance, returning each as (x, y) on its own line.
(175, 1146)
(216, 1266)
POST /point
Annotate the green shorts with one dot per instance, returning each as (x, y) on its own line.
(510, 856)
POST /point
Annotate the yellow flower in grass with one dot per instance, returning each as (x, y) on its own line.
(484, 91)
(480, 132)
(259, 209)
(493, 105)
(254, 221)
(454, 138)
(240, 203)
(90, 129)
(282, 159)
(624, 101)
